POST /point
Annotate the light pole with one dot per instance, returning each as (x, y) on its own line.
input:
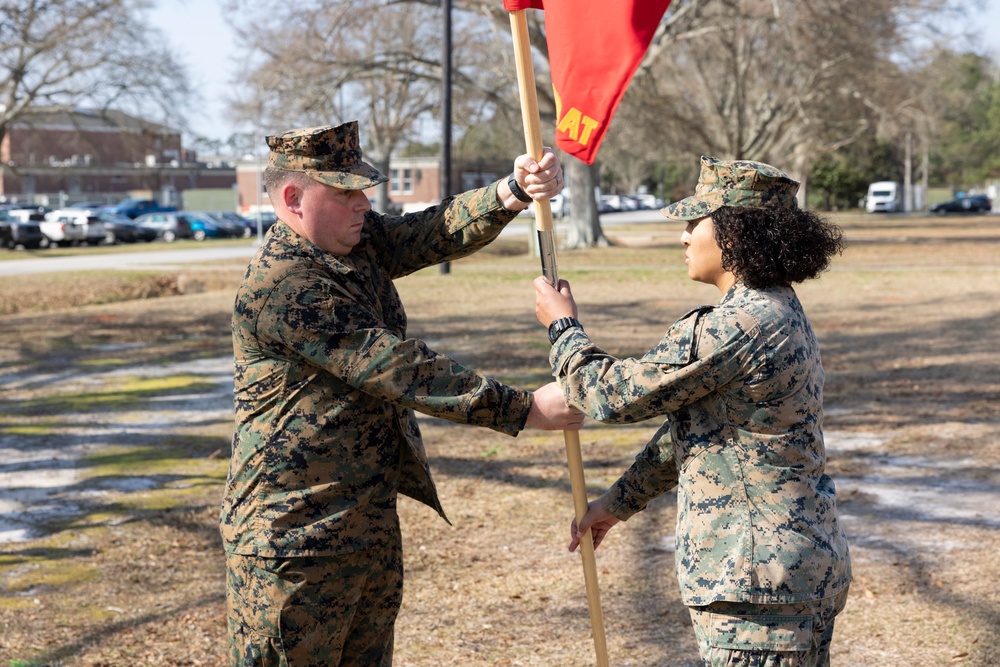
(446, 189)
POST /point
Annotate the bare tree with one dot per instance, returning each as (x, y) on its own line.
(377, 60)
(784, 80)
(96, 53)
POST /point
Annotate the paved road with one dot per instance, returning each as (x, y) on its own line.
(125, 260)
(156, 259)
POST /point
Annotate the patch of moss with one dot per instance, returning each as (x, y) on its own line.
(177, 456)
(180, 470)
(104, 362)
(50, 574)
(166, 498)
(56, 547)
(96, 613)
(28, 429)
(134, 391)
(91, 519)
(16, 604)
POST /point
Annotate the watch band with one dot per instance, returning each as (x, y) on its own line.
(515, 189)
(560, 326)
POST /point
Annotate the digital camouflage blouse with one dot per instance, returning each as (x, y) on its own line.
(740, 385)
(327, 382)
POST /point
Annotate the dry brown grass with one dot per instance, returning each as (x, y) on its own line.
(907, 320)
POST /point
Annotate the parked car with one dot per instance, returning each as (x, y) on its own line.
(15, 233)
(26, 213)
(133, 208)
(88, 205)
(120, 229)
(884, 197)
(167, 226)
(213, 227)
(559, 205)
(68, 226)
(267, 220)
(966, 204)
(247, 227)
(648, 202)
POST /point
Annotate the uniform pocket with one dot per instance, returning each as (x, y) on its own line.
(254, 639)
(761, 633)
(258, 593)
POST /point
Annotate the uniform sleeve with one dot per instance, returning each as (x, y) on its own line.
(668, 377)
(311, 318)
(457, 227)
(653, 473)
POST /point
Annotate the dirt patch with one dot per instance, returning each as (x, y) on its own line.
(124, 407)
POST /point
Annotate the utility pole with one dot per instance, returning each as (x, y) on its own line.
(908, 174)
(446, 189)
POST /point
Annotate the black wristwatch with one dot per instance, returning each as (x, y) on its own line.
(559, 327)
(515, 189)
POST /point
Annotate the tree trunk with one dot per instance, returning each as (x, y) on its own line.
(382, 190)
(584, 223)
(800, 172)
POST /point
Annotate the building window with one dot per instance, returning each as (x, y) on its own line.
(402, 181)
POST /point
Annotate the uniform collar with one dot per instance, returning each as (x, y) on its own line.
(299, 245)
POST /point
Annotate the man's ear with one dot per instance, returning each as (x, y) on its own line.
(291, 197)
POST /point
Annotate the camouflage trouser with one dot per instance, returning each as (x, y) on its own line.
(332, 611)
(736, 634)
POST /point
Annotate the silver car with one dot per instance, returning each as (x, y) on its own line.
(168, 226)
(74, 226)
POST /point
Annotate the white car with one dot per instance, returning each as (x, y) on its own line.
(68, 226)
(558, 205)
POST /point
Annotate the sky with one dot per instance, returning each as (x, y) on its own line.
(204, 41)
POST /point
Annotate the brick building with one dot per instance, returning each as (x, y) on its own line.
(77, 155)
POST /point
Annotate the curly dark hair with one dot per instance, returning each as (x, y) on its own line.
(775, 246)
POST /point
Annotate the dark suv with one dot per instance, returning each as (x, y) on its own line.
(966, 204)
(133, 208)
(15, 233)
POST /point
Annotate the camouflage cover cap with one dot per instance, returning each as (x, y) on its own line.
(734, 183)
(330, 155)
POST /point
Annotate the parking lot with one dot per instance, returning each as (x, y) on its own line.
(38, 228)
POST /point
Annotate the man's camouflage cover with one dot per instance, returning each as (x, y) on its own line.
(330, 155)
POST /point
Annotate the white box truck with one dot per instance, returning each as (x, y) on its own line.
(884, 197)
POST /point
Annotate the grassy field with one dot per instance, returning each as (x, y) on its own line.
(115, 419)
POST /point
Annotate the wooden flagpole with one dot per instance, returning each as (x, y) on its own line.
(543, 221)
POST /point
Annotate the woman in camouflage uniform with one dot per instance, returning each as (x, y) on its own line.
(762, 562)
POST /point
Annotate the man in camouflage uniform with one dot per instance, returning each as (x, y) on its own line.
(326, 387)
(761, 559)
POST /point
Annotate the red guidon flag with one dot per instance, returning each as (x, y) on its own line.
(595, 46)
